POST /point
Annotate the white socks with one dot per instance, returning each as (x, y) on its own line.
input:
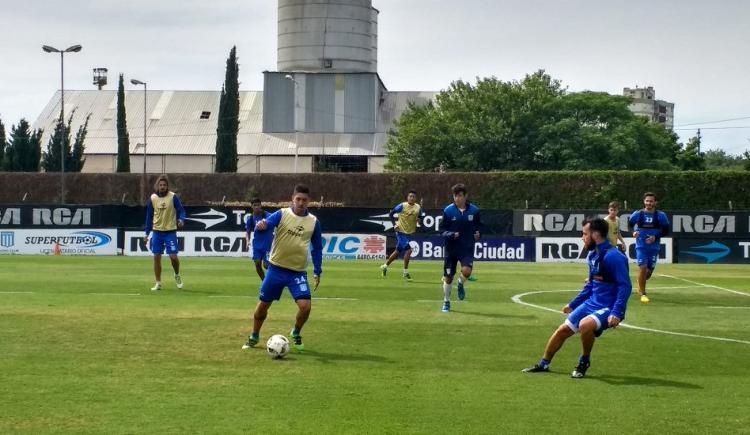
(447, 291)
(406, 271)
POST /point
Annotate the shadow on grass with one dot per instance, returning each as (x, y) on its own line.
(494, 315)
(641, 381)
(328, 357)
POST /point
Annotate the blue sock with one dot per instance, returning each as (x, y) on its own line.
(295, 331)
(584, 359)
(255, 335)
(544, 363)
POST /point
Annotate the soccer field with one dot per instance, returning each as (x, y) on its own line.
(86, 347)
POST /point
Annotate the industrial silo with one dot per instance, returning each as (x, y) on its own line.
(327, 36)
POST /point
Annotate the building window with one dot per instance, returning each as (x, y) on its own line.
(340, 164)
(205, 115)
(662, 109)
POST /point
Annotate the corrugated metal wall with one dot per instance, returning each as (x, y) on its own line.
(278, 111)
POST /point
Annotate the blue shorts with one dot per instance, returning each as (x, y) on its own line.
(646, 257)
(600, 316)
(451, 261)
(402, 242)
(277, 278)
(260, 254)
(164, 239)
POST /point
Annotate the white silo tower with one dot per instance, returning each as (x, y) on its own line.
(327, 36)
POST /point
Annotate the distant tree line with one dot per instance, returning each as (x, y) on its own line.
(533, 124)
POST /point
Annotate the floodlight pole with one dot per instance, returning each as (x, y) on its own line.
(71, 49)
(145, 136)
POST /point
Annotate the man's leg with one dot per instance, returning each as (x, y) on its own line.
(175, 263)
(554, 344)
(407, 257)
(157, 267)
(643, 275)
(303, 313)
(259, 269)
(391, 259)
(449, 270)
(587, 329)
(261, 312)
(466, 268)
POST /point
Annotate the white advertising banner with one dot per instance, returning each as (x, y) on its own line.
(570, 249)
(232, 244)
(64, 242)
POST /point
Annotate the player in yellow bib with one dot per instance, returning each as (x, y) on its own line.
(296, 230)
(164, 213)
(409, 215)
(613, 234)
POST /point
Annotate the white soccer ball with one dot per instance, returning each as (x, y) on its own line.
(277, 346)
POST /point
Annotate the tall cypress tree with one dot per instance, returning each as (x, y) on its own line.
(51, 161)
(228, 122)
(76, 156)
(2, 145)
(23, 150)
(123, 139)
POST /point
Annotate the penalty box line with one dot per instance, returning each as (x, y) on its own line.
(705, 285)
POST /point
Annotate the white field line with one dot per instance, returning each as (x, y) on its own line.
(255, 297)
(517, 299)
(17, 293)
(114, 294)
(732, 308)
(706, 285)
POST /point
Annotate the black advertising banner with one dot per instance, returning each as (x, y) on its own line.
(566, 223)
(713, 251)
(208, 218)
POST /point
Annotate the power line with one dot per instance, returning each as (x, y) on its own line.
(715, 122)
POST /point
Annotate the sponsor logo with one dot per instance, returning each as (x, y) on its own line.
(353, 247)
(10, 216)
(711, 252)
(703, 223)
(567, 249)
(296, 231)
(486, 250)
(7, 239)
(61, 216)
(373, 245)
(209, 218)
(77, 239)
(384, 220)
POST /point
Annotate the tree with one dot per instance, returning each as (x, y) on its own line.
(690, 157)
(76, 156)
(2, 144)
(23, 150)
(533, 124)
(123, 139)
(228, 122)
(719, 159)
(61, 138)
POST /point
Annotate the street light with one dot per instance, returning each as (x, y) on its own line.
(145, 142)
(71, 49)
(296, 118)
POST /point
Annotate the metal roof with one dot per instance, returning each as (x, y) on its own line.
(175, 126)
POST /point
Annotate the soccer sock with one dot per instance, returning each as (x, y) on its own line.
(584, 359)
(446, 291)
(255, 335)
(460, 279)
(295, 331)
(406, 271)
(544, 363)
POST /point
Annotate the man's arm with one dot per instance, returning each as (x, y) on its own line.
(618, 265)
(149, 218)
(394, 210)
(316, 243)
(445, 227)
(664, 224)
(477, 225)
(181, 215)
(583, 295)
(270, 222)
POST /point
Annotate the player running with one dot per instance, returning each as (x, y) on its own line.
(409, 213)
(261, 243)
(649, 226)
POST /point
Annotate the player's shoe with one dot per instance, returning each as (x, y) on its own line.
(536, 369)
(645, 299)
(461, 291)
(446, 307)
(156, 287)
(580, 370)
(297, 341)
(407, 277)
(178, 280)
(251, 342)
(472, 278)
(384, 270)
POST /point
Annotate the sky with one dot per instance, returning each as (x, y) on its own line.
(693, 52)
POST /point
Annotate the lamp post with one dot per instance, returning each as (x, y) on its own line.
(296, 118)
(145, 142)
(71, 49)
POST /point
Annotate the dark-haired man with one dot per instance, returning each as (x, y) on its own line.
(460, 230)
(262, 239)
(296, 230)
(164, 213)
(601, 304)
(649, 226)
(409, 214)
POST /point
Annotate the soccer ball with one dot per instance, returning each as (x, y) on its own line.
(277, 346)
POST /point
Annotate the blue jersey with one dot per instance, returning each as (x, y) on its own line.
(261, 239)
(649, 224)
(609, 283)
(465, 223)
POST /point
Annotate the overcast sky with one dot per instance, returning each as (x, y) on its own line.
(693, 52)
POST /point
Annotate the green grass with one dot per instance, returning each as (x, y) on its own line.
(91, 349)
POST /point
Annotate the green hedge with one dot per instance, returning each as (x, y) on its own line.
(710, 190)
